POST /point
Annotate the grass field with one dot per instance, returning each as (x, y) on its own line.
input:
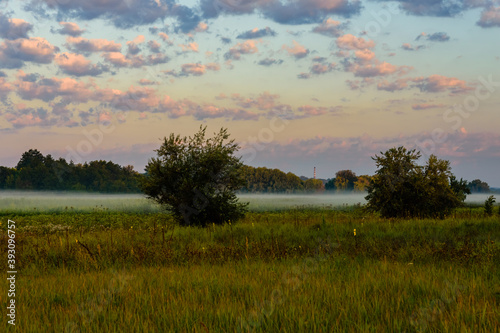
(306, 269)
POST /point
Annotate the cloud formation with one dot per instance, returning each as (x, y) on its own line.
(409, 47)
(435, 37)
(246, 47)
(298, 51)
(257, 33)
(490, 17)
(70, 28)
(13, 53)
(14, 28)
(351, 42)
(76, 64)
(285, 12)
(330, 27)
(426, 106)
(84, 45)
(270, 62)
(122, 14)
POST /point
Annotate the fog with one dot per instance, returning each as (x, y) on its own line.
(72, 201)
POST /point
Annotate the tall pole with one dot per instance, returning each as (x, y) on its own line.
(314, 172)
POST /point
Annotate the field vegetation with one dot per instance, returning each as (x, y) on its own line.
(316, 269)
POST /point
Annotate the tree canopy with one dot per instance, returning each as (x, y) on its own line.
(34, 171)
(402, 188)
(195, 178)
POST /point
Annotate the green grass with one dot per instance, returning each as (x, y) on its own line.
(299, 270)
(334, 294)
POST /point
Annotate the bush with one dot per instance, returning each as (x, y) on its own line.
(488, 205)
(196, 178)
(401, 188)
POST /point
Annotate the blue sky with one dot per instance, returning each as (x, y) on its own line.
(303, 83)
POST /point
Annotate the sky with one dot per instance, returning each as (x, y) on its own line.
(298, 83)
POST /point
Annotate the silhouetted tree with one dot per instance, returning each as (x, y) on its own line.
(478, 186)
(196, 178)
(402, 188)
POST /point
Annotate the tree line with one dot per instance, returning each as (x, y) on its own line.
(34, 171)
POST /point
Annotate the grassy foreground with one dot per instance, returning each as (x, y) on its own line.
(287, 271)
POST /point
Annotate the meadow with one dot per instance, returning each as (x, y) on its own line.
(292, 267)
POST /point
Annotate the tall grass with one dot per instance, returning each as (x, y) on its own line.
(299, 270)
(340, 294)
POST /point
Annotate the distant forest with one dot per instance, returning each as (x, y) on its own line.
(34, 171)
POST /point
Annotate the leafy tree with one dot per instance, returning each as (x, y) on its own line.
(362, 183)
(37, 172)
(330, 185)
(345, 179)
(7, 177)
(31, 171)
(270, 180)
(459, 187)
(314, 185)
(478, 186)
(196, 178)
(488, 205)
(402, 188)
(440, 197)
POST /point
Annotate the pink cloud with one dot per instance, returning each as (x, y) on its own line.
(92, 45)
(319, 68)
(211, 111)
(201, 27)
(134, 99)
(5, 87)
(364, 55)
(193, 47)
(246, 47)
(36, 49)
(396, 85)
(317, 110)
(351, 42)
(213, 66)
(164, 36)
(70, 28)
(120, 60)
(20, 116)
(426, 106)
(76, 64)
(146, 82)
(376, 68)
(139, 39)
(439, 83)
(48, 89)
(14, 28)
(194, 69)
(21, 121)
(265, 101)
(154, 46)
(490, 17)
(297, 50)
(117, 59)
(329, 27)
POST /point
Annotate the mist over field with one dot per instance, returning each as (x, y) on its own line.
(57, 201)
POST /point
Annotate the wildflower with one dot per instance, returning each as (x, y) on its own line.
(354, 232)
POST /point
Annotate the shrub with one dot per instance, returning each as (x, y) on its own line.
(488, 205)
